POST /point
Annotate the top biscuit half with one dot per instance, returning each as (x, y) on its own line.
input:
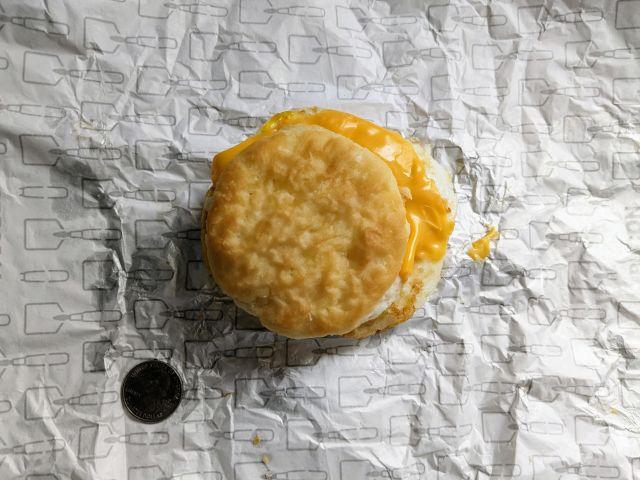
(306, 230)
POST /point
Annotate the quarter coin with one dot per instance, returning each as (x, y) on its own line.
(151, 391)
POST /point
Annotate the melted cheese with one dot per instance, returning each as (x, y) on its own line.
(481, 248)
(427, 212)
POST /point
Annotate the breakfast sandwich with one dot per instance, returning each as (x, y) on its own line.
(324, 223)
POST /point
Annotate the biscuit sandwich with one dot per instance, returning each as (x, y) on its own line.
(324, 223)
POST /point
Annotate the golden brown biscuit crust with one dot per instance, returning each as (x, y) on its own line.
(306, 230)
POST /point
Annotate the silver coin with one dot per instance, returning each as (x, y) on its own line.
(151, 391)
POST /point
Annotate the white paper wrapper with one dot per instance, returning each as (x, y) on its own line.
(523, 366)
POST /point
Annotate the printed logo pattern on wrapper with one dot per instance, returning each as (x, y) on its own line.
(110, 116)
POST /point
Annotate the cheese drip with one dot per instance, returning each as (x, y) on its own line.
(481, 248)
(427, 212)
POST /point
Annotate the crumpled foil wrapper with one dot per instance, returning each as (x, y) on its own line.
(524, 366)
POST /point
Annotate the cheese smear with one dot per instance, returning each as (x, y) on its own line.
(481, 248)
